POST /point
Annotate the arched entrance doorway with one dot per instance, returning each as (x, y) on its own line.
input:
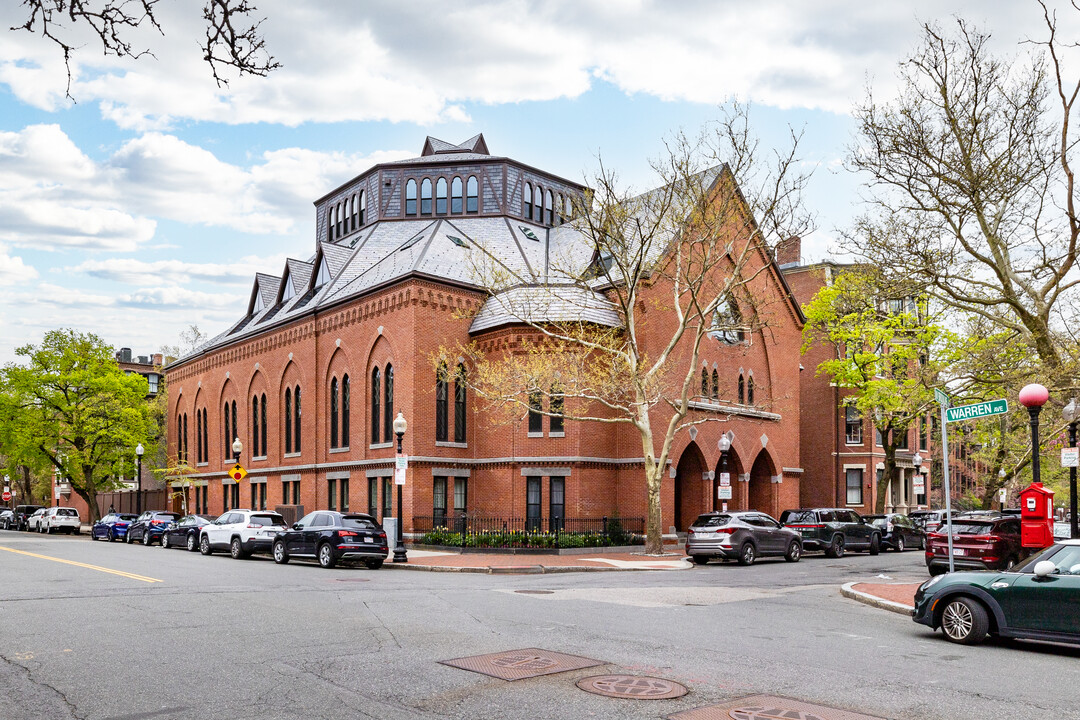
(735, 470)
(690, 488)
(760, 490)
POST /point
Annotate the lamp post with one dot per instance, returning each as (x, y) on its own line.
(724, 444)
(237, 449)
(138, 478)
(1001, 489)
(1033, 397)
(400, 426)
(917, 461)
(1070, 415)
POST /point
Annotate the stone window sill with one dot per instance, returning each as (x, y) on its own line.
(289, 455)
(444, 443)
(557, 434)
(380, 446)
(536, 435)
(339, 450)
(260, 457)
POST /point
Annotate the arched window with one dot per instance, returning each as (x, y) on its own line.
(742, 390)
(750, 390)
(472, 192)
(340, 227)
(569, 208)
(456, 207)
(560, 209)
(362, 212)
(727, 322)
(330, 224)
(538, 204)
(440, 196)
(410, 197)
(333, 413)
(555, 424)
(296, 420)
(356, 210)
(179, 438)
(345, 411)
(459, 405)
(228, 430)
(288, 420)
(441, 405)
(526, 197)
(425, 196)
(198, 436)
(262, 422)
(255, 426)
(549, 208)
(704, 382)
(348, 215)
(206, 436)
(388, 403)
(235, 425)
(376, 423)
(715, 385)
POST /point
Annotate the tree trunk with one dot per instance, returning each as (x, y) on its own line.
(654, 479)
(91, 494)
(26, 490)
(888, 473)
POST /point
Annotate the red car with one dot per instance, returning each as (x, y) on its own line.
(978, 544)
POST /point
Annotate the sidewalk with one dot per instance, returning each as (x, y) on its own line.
(524, 564)
(895, 597)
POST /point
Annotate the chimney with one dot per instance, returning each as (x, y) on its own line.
(158, 360)
(789, 252)
(125, 355)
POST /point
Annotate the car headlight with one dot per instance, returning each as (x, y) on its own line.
(931, 582)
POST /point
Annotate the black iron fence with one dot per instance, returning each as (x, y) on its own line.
(480, 531)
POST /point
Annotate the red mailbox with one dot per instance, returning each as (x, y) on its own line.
(1036, 516)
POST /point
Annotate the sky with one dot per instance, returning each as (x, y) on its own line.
(148, 203)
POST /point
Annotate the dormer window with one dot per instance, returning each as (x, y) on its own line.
(287, 290)
(324, 274)
(258, 306)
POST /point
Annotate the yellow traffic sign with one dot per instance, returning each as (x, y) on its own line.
(237, 472)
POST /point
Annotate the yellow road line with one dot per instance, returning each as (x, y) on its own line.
(121, 573)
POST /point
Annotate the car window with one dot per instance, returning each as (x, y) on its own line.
(362, 523)
(126, 516)
(827, 516)
(306, 520)
(266, 520)
(798, 517)
(1010, 526)
(1067, 560)
(322, 520)
(961, 527)
(69, 512)
(711, 520)
(769, 521)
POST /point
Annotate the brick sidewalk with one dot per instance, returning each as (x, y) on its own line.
(524, 563)
(902, 593)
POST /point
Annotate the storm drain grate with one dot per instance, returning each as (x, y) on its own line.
(769, 707)
(521, 664)
(633, 687)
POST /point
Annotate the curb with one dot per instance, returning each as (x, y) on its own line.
(511, 569)
(848, 591)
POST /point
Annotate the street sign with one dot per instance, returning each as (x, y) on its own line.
(399, 476)
(918, 483)
(1003, 495)
(723, 492)
(978, 410)
(725, 479)
(1070, 457)
(402, 462)
(942, 398)
(237, 472)
(6, 495)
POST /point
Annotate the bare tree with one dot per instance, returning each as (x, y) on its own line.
(232, 39)
(971, 185)
(636, 285)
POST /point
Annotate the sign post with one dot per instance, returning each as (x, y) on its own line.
(944, 403)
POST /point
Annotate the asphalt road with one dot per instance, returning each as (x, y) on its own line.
(178, 635)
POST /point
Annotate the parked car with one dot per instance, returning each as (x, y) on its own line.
(7, 518)
(834, 530)
(241, 532)
(149, 526)
(113, 526)
(929, 520)
(58, 519)
(21, 515)
(1036, 601)
(33, 522)
(897, 531)
(978, 544)
(185, 532)
(743, 536)
(332, 537)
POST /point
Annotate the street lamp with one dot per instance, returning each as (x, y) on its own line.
(1001, 489)
(724, 443)
(1033, 397)
(400, 426)
(138, 475)
(237, 449)
(1070, 415)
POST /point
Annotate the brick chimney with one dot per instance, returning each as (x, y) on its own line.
(158, 359)
(789, 252)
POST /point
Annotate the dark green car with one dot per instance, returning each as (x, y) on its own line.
(1036, 601)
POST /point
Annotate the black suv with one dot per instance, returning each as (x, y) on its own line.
(331, 537)
(18, 519)
(833, 530)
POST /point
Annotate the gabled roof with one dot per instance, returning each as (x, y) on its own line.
(300, 273)
(266, 286)
(435, 146)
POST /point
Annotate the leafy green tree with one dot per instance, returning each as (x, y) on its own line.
(70, 407)
(884, 341)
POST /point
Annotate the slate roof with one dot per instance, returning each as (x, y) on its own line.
(558, 303)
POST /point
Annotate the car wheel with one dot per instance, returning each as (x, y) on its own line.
(836, 547)
(326, 556)
(146, 539)
(236, 549)
(747, 555)
(964, 621)
(922, 543)
(281, 555)
(700, 559)
(127, 538)
(794, 552)
(165, 541)
(76, 531)
(204, 546)
(875, 544)
(109, 536)
(192, 543)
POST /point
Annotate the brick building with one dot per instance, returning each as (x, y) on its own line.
(332, 348)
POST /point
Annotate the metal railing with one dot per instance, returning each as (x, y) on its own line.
(477, 530)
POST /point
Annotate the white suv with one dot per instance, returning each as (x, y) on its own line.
(56, 519)
(241, 532)
(34, 521)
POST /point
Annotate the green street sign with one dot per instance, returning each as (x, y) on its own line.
(978, 410)
(942, 398)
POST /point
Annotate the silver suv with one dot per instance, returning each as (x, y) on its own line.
(241, 532)
(56, 519)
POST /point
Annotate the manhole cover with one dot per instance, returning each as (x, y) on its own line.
(769, 707)
(634, 687)
(535, 592)
(521, 664)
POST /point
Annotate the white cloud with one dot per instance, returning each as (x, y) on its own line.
(13, 270)
(172, 272)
